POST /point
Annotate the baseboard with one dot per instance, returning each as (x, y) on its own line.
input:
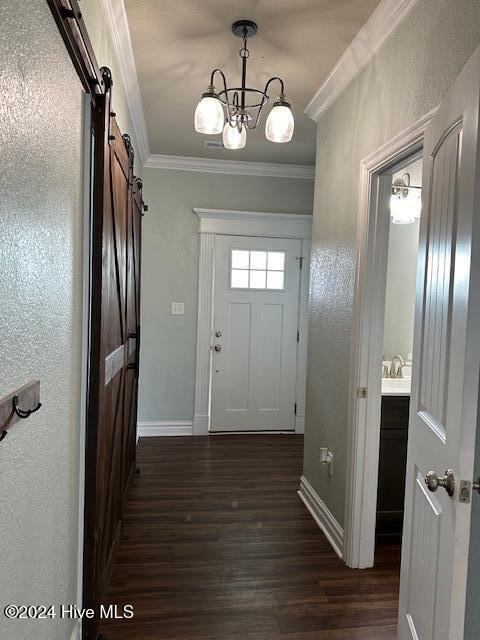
(76, 631)
(322, 516)
(164, 428)
(262, 432)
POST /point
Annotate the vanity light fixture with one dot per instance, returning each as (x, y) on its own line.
(234, 110)
(406, 201)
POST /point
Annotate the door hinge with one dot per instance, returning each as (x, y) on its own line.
(362, 392)
(295, 410)
(298, 336)
(300, 259)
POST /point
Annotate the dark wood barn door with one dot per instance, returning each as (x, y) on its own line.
(114, 346)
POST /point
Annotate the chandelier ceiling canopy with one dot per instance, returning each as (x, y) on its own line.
(233, 110)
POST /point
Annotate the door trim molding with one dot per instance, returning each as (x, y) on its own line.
(76, 631)
(367, 342)
(213, 222)
(322, 515)
(204, 334)
(254, 223)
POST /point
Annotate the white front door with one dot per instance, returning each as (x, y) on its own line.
(444, 402)
(255, 323)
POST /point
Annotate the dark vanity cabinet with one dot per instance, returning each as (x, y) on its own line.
(392, 465)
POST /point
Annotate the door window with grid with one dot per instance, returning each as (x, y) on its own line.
(263, 270)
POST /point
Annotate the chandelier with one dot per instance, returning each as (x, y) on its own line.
(236, 109)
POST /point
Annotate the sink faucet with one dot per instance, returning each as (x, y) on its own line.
(400, 369)
(396, 371)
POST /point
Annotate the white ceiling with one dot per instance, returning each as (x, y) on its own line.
(177, 43)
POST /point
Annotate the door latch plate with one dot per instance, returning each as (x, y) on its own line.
(465, 492)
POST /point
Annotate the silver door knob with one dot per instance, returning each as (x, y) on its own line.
(218, 334)
(447, 481)
(218, 347)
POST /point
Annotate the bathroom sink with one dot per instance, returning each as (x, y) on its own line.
(396, 386)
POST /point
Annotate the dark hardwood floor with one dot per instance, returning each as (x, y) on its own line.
(218, 546)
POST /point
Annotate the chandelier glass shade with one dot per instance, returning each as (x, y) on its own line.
(280, 124)
(234, 110)
(209, 116)
(234, 137)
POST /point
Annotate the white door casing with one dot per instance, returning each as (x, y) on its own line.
(254, 372)
(445, 379)
(373, 228)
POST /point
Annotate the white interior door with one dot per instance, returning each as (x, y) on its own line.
(255, 322)
(444, 403)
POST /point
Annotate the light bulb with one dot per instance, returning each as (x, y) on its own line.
(406, 210)
(280, 123)
(209, 117)
(233, 138)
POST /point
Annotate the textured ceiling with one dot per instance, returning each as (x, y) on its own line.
(177, 43)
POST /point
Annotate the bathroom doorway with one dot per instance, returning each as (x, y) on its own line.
(403, 234)
(387, 180)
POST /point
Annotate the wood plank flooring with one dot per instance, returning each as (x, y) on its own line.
(218, 546)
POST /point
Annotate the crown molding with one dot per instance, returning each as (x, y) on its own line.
(254, 223)
(122, 44)
(382, 23)
(238, 167)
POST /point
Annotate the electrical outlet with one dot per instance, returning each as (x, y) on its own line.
(178, 308)
(323, 455)
(326, 459)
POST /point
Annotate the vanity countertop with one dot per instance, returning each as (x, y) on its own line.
(396, 386)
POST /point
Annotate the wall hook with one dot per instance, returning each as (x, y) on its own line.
(20, 412)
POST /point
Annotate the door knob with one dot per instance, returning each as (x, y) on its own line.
(218, 347)
(218, 334)
(447, 481)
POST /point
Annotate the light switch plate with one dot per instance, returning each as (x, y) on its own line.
(178, 308)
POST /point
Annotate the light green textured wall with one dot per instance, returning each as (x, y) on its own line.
(41, 138)
(170, 272)
(406, 79)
